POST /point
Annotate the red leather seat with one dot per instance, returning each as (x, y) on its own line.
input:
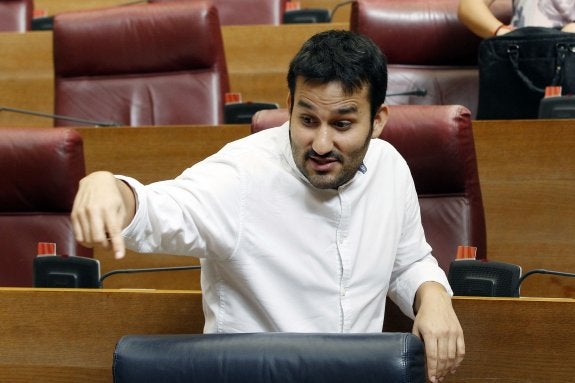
(146, 64)
(247, 12)
(16, 15)
(427, 48)
(437, 143)
(40, 171)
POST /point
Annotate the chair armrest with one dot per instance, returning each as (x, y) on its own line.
(270, 357)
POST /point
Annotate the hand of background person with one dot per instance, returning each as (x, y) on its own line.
(569, 28)
(478, 17)
(103, 206)
(437, 325)
(503, 30)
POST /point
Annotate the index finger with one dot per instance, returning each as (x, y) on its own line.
(460, 354)
(116, 239)
(118, 246)
(431, 352)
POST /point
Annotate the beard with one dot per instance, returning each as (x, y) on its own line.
(348, 165)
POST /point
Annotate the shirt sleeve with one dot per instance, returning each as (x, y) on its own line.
(197, 214)
(414, 264)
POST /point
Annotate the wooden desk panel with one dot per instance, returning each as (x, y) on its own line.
(510, 340)
(516, 340)
(26, 77)
(68, 336)
(527, 175)
(52, 7)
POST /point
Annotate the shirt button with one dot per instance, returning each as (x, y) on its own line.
(343, 291)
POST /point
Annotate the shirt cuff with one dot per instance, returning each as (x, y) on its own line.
(426, 270)
(138, 189)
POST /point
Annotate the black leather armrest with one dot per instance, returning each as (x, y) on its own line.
(270, 357)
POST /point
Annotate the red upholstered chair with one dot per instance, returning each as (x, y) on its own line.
(40, 171)
(247, 12)
(427, 48)
(437, 143)
(146, 64)
(16, 15)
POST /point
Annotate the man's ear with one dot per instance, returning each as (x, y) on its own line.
(380, 120)
(288, 101)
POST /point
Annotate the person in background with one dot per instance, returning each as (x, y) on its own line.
(477, 16)
(306, 227)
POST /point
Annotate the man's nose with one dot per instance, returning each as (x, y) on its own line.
(323, 140)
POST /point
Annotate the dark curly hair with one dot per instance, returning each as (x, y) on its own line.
(344, 56)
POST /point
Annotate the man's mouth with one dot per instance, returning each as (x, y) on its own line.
(323, 164)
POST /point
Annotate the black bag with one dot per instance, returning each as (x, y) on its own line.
(515, 68)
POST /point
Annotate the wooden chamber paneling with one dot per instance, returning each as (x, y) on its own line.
(69, 335)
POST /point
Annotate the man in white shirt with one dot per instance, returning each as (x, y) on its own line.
(302, 228)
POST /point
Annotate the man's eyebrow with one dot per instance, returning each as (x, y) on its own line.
(347, 109)
(342, 110)
(305, 105)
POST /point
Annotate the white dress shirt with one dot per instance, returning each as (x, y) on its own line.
(278, 254)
